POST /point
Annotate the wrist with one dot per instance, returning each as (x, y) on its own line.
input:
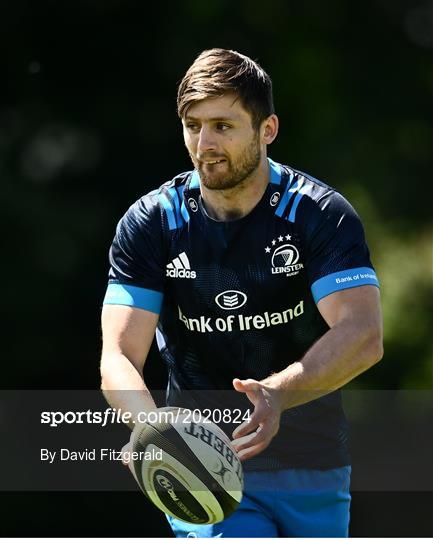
(283, 385)
(273, 386)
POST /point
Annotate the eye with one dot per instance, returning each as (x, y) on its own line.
(221, 126)
(192, 126)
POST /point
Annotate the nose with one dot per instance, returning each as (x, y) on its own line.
(206, 141)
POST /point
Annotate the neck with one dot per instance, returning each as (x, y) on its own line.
(237, 202)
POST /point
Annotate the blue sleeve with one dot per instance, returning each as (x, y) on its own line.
(137, 272)
(337, 256)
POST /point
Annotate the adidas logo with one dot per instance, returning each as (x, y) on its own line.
(180, 268)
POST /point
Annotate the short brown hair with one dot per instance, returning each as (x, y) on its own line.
(216, 72)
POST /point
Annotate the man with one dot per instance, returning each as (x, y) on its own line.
(259, 279)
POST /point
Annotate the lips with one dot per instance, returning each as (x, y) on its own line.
(210, 160)
(213, 161)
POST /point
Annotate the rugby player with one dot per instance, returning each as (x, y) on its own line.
(255, 277)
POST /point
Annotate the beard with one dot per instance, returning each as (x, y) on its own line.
(229, 174)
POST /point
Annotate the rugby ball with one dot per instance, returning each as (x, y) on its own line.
(195, 474)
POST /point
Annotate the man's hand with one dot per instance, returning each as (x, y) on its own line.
(253, 436)
(351, 345)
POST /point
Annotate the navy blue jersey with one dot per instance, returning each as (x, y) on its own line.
(238, 298)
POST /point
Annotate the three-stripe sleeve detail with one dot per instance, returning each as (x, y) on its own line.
(289, 202)
(169, 212)
(183, 210)
(285, 199)
(301, 192)
(174, 207)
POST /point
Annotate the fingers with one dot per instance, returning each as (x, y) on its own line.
(252, 451)
(245, 441)
(260, 415)
(248, 426)
(250, 387)
(251, 439)
(264, 434)
(246, 385)
(251, 445)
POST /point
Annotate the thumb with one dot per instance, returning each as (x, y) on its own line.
(246, 385)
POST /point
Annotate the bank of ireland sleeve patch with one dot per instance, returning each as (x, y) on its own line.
(345, 279)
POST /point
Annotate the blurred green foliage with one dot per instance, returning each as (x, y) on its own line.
(88, 124)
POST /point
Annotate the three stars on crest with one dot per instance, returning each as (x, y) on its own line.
(280, 239)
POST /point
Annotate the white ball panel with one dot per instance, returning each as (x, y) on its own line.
(215, 462)
(187, 478)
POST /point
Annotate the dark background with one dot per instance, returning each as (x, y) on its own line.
(88, 124)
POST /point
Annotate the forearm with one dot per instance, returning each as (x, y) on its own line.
(337, 357)
(123, 386)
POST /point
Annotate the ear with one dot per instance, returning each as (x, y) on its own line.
(269, 129)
